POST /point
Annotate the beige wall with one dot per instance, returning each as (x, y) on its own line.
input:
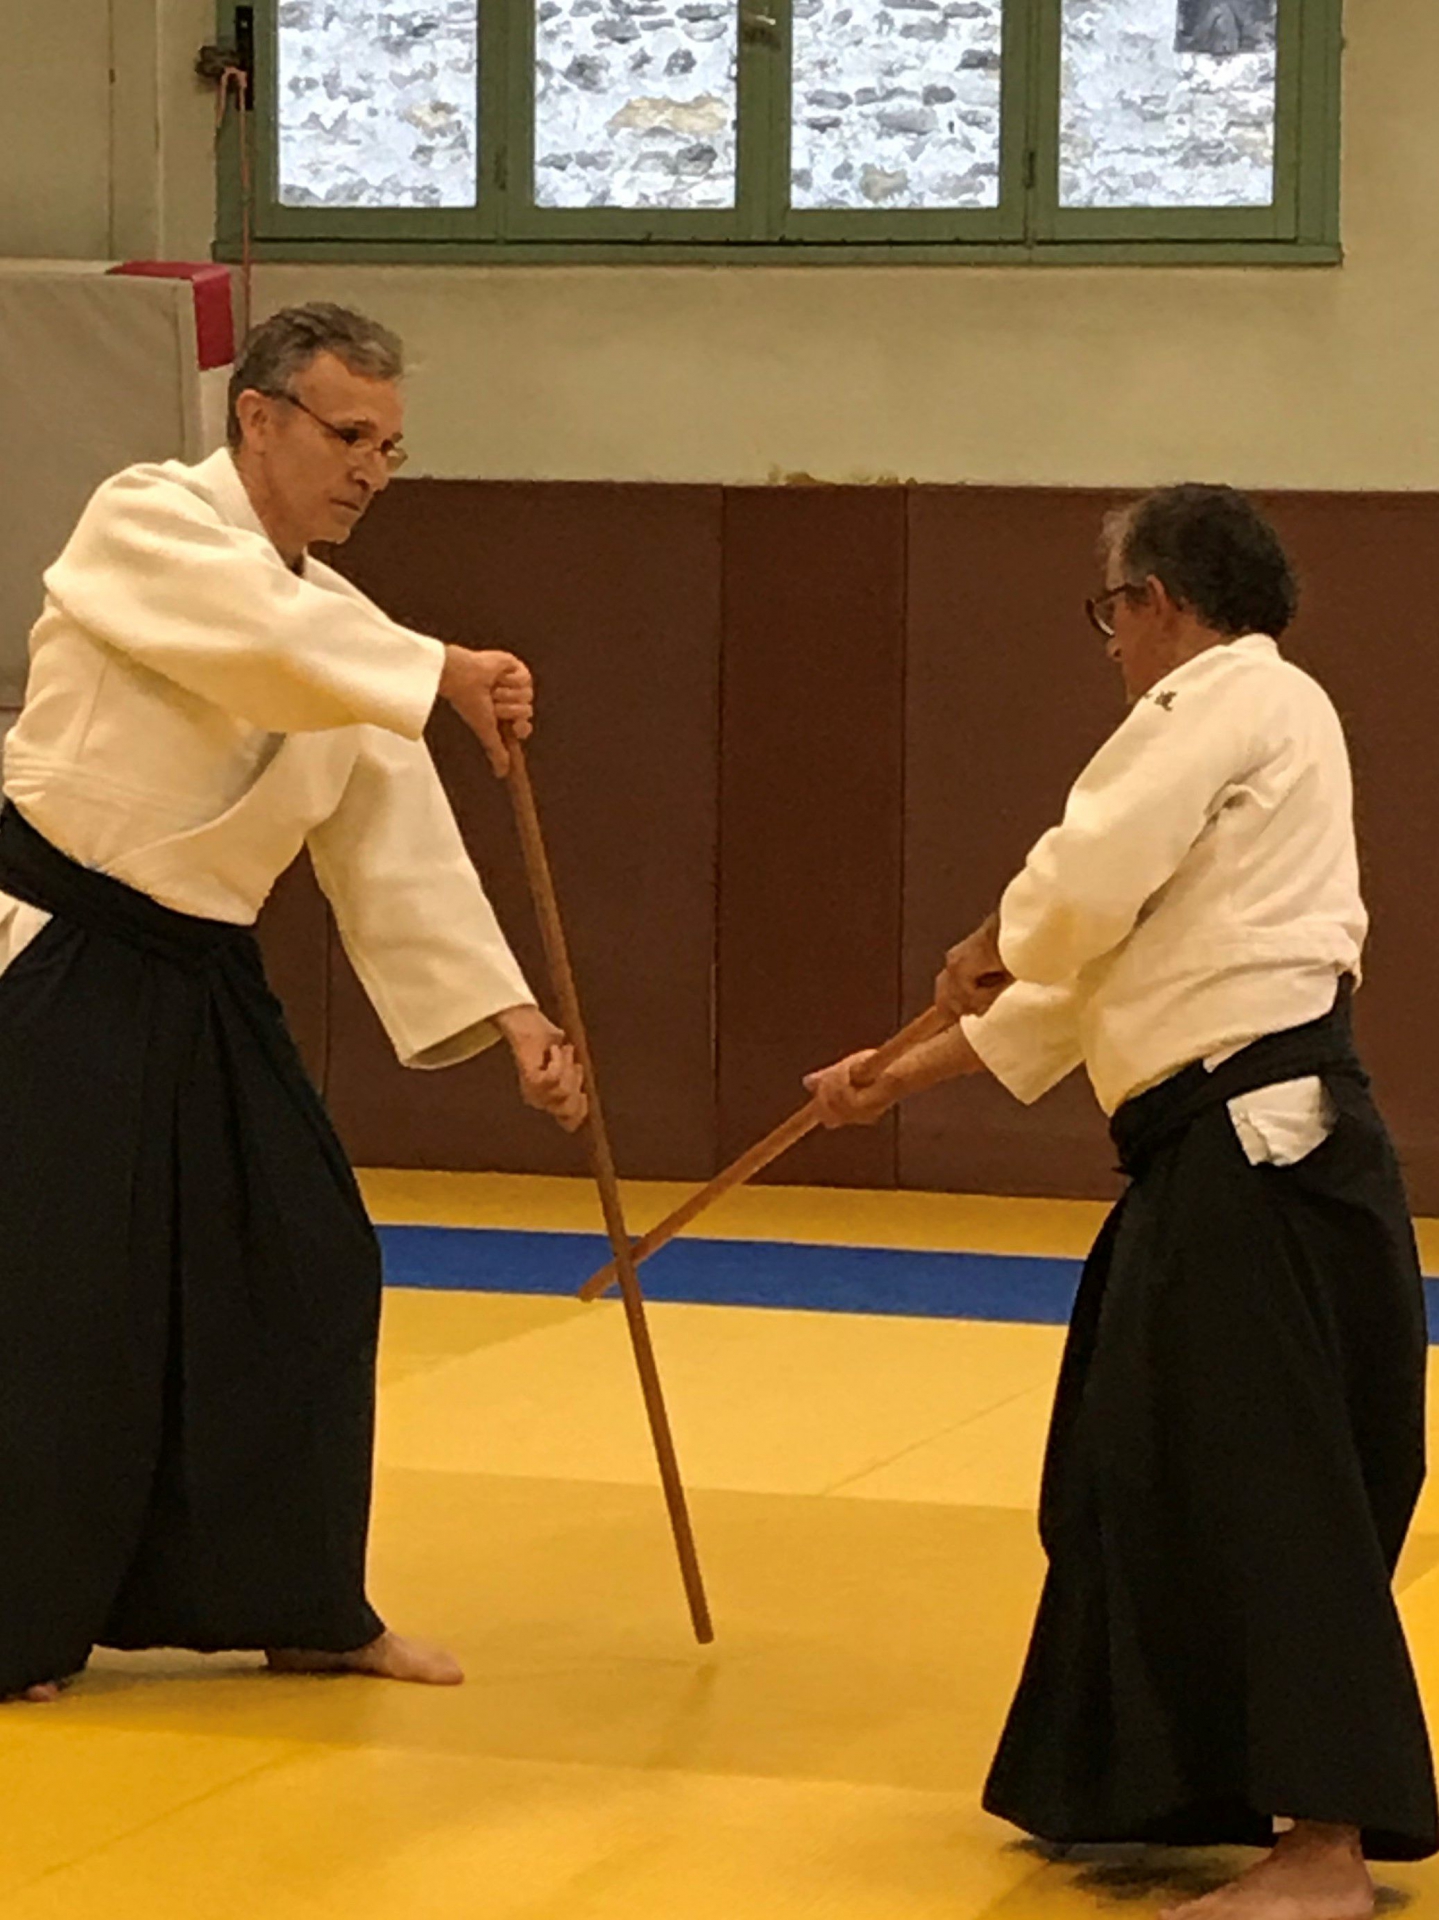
(163, 197)
(104, 131)
(1272, 377)
(55, 128)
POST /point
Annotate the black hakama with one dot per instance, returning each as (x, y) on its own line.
(1235, 1455)
(189, 1295)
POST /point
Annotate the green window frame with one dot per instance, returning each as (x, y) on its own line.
(1029, 225)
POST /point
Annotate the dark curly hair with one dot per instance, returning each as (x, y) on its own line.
(289, 340)
(1215, 553)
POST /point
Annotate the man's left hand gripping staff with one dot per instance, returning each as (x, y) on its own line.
(973, 978)
(974, 975)
(549, 1074)
(489, 690)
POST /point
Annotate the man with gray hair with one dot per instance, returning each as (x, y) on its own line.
(189, 1298)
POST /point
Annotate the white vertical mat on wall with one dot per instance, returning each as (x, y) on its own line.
(98, 370)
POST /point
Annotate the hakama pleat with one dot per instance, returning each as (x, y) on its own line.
(189, 1296)
(1236, 1451)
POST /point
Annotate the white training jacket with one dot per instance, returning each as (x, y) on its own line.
(196, 712)
(1201, 890)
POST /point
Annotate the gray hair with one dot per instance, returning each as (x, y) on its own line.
(1215, 553)
(289, 340)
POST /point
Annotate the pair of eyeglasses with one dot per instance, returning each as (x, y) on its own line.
(354, 438)
(1097, 608)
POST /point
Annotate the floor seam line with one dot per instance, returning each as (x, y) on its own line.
(879, 1465)
(157, 1820)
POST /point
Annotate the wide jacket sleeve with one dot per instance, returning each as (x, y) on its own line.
(1131, 817)
(1030, 1038)
(411, 910)
(155, 572)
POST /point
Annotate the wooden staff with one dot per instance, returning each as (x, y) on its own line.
(928, 1024)
(542, 888)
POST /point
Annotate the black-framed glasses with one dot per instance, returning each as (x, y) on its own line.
(353, 438)
(1097, 607)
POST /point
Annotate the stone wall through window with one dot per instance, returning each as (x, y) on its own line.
(1146, 123)
(377, 104)
(896, 103)
(635, 103)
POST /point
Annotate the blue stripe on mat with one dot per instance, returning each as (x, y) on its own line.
(742, 1273)
(756, 1273)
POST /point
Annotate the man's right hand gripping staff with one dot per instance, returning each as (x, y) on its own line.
(490, 690)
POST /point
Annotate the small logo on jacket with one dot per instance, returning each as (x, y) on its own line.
(1165, 700)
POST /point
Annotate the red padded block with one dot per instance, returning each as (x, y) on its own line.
(214, 314)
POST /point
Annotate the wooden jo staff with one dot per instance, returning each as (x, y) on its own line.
(759, 1156)
(542, 887)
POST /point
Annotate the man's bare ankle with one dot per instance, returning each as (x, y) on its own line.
(388, 1656)
(1320, 1836)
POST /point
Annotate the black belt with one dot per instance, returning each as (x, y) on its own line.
(33, 870)
(1322, 1047)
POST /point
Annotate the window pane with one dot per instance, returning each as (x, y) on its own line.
(635, 103)
(896, 103)
(1167, 103)
(378, 104)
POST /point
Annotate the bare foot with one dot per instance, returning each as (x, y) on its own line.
(1314, 1873)
(389, 1658)
(49, 1691)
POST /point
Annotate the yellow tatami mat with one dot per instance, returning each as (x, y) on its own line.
(826, 1216)
(863, 1491)
(969, 1223)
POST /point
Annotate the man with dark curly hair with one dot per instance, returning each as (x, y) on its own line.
(1238, 1437)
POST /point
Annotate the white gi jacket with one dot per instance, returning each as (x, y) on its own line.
(196, 712)
(1201, 890)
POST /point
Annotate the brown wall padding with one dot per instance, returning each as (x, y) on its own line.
(1369, 573)
(1002, 713)
(612, 594)
(908, 686)
(1008, 691)
(810, 808)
